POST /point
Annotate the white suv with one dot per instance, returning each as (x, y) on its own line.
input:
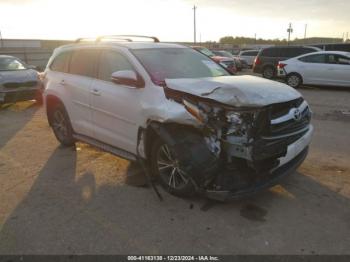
(192, 124)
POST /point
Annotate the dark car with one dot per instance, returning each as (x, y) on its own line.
(267, 59)
(18, 81)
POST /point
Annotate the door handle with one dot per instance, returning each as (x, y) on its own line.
(96, 92)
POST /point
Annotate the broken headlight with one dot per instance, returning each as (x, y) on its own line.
(239, 123)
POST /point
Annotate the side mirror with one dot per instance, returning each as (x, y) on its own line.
(127, 77)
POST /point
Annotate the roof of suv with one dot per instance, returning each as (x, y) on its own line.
(129, 45)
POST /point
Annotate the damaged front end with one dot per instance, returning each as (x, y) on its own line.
(237, 151)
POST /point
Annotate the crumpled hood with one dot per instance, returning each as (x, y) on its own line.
(19, 76)
(239, 91)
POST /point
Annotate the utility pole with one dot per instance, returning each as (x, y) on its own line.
(194, 23)
(255, 38)
(1, 41)
(305, 31)
(289, 30)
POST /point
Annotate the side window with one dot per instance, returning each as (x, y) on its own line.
(342, 60)
(271, 52)
(290, 52)
(83, 62)
(110, 62)
(250, 53)
(60, 63)
(320, 59)
(338, 59)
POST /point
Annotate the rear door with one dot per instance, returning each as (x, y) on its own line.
(314, 69)
(115, 107)
(338, 67)
(82, 70)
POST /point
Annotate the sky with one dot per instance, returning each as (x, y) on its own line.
(172, 20)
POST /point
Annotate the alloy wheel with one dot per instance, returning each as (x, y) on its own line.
(59, 124)
(293, 81)
(169, 169)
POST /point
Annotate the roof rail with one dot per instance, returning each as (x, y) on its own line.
(82, 38)
(126, 37)
(99, 38)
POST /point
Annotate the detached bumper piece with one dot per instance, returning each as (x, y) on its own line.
(263, 181)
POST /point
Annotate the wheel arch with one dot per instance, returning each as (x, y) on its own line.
(163, 130)
(51, 101)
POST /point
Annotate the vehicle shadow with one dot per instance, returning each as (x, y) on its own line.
(13, 117)
(71, 212)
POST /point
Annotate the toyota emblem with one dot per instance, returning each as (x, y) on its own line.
(297, 114)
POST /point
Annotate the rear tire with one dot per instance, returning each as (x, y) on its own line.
(165, 166)
(268, 72)
(294, 80)
(61, 125)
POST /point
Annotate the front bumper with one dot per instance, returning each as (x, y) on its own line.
(19, 94)
(296, 153)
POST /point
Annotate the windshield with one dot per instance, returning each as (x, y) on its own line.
(10, 64)
(206, 51)
(171, 63)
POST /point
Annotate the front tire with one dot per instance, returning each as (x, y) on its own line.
(294, 80)
(166, 167)
(61, 126)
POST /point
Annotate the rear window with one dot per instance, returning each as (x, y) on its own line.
(60, 62)
(271, 52)
(83, 62)
(250, 53)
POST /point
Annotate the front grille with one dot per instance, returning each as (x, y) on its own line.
(289, 125)
(23, 84)
(278, 110)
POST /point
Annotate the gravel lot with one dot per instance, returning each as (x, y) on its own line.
(58, 200)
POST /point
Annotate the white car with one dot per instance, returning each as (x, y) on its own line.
(182, 116)
(330, 68)
(248, 56)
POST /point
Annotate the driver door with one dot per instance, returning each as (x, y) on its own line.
(116, 108)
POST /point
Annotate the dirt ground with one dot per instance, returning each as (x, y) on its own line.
(58, 200)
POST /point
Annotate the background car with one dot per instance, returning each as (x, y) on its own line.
(267, 59)
(18, 81)
(228, 63)
(248, 56)
(224, 53)
(331, 68)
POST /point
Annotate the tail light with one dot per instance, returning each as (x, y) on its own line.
(257, 61)
(281, 65)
